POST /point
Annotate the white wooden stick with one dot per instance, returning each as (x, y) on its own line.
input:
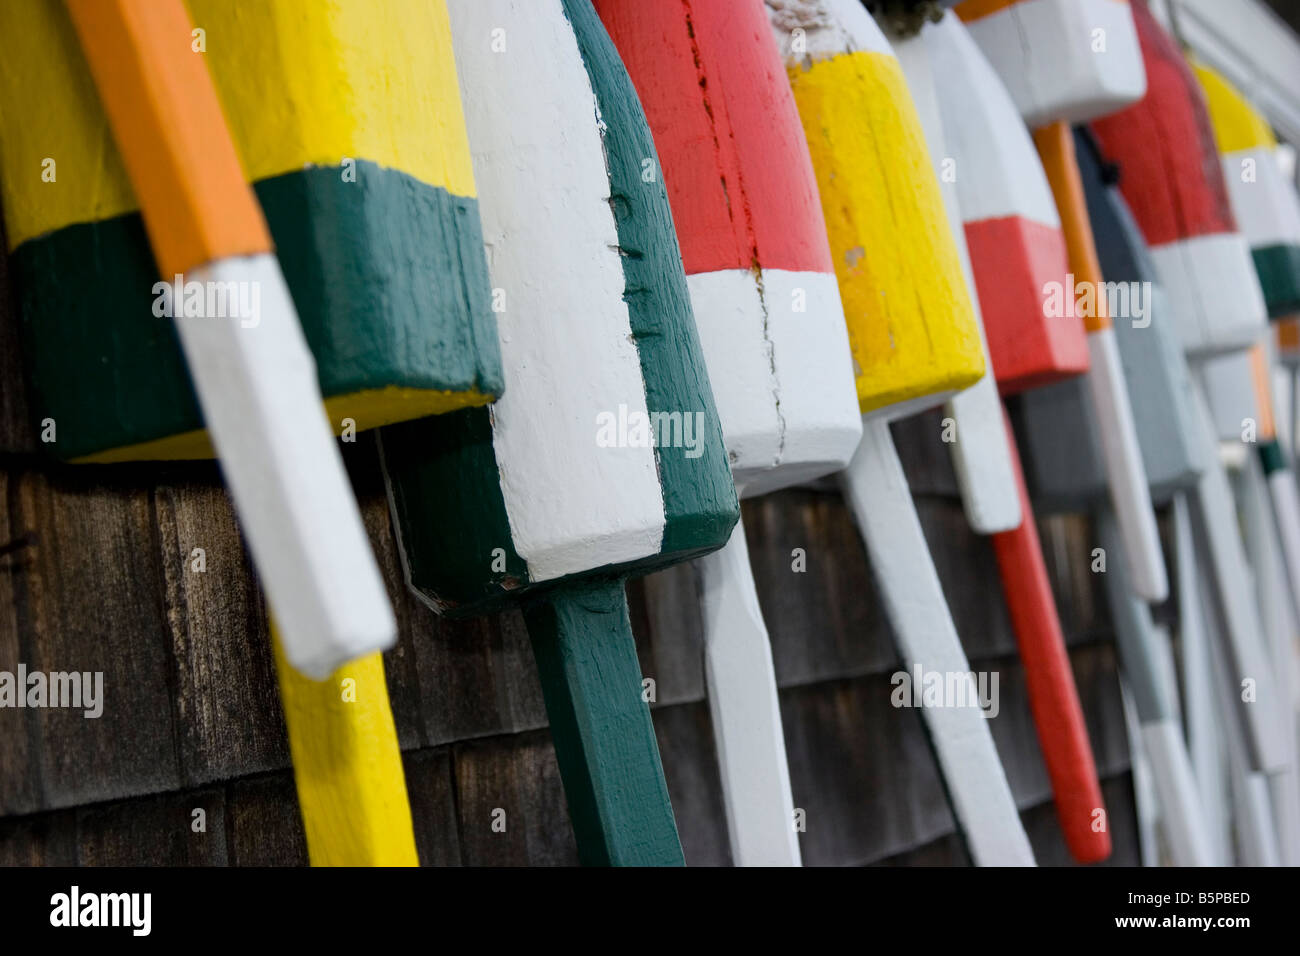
(1125, 472)
(745, 710)
(1204, 736)
(1279, 626)
(1144, 788)
(1180, 809)
(1252, 811)
(877, 492)
(261, 402)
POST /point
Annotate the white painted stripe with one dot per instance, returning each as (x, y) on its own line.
(1230, 389)
(876, 490)
(782, 379)
(746, 712)
(1125, 473)
(1286, 506)
(1214, 293)
(820, 29)
(1186, 834)
(981, 457)
(1046, 53)
(1265, 205)
(814, 374)
(1276, 597)
(566, 341)
(262, 405)
(998, 172)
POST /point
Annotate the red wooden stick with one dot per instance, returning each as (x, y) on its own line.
(1053, 699)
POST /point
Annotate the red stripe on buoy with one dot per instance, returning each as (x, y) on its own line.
(1053, 699)
(728, 97)
(1170, 171)
(1013, 260)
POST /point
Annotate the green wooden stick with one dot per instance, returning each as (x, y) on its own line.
(600, 723)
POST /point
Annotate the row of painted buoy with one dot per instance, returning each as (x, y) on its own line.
(769, 230)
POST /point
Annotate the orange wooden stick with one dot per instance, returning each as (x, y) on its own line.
(168, 125)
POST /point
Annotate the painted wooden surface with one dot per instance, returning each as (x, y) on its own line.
(1245, 656)
(981, 456)
(1181, 814)
(1155, 370)
(885, 220)
(259, 390)
(851, 92)
(368, 195)
(347, 765)
(1173, 182)
(753, 241)
(1107, 389)
(1069, 60)
(1010, 218)
(1066, 61)
(492, 504)
(1264, 202)
(1260, 529)
(597, 327)
(772, 329)
(264, 410)
(1058, 717)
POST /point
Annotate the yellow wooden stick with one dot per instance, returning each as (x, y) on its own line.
(347, 765)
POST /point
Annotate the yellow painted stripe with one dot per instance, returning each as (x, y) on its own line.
(911, 323)
(371, 408)
(1237, 124)
(347, 765)
(301, 82)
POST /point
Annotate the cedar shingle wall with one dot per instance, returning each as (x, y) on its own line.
(191, 718)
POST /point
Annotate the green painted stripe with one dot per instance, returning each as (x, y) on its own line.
(388, 275)
(604, 738)
(450, 513)
(700, 504)
(1271, 457)
(1279, 275)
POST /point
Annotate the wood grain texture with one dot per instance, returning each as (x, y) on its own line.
(912, 330)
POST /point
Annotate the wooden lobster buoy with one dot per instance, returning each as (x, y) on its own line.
(915, 342)
(1154, 369)
(1173, 182)
(1015, 258)
(772, 328)
(557, 493)
(1045, 52)
(252, 370)
(1264, 203)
